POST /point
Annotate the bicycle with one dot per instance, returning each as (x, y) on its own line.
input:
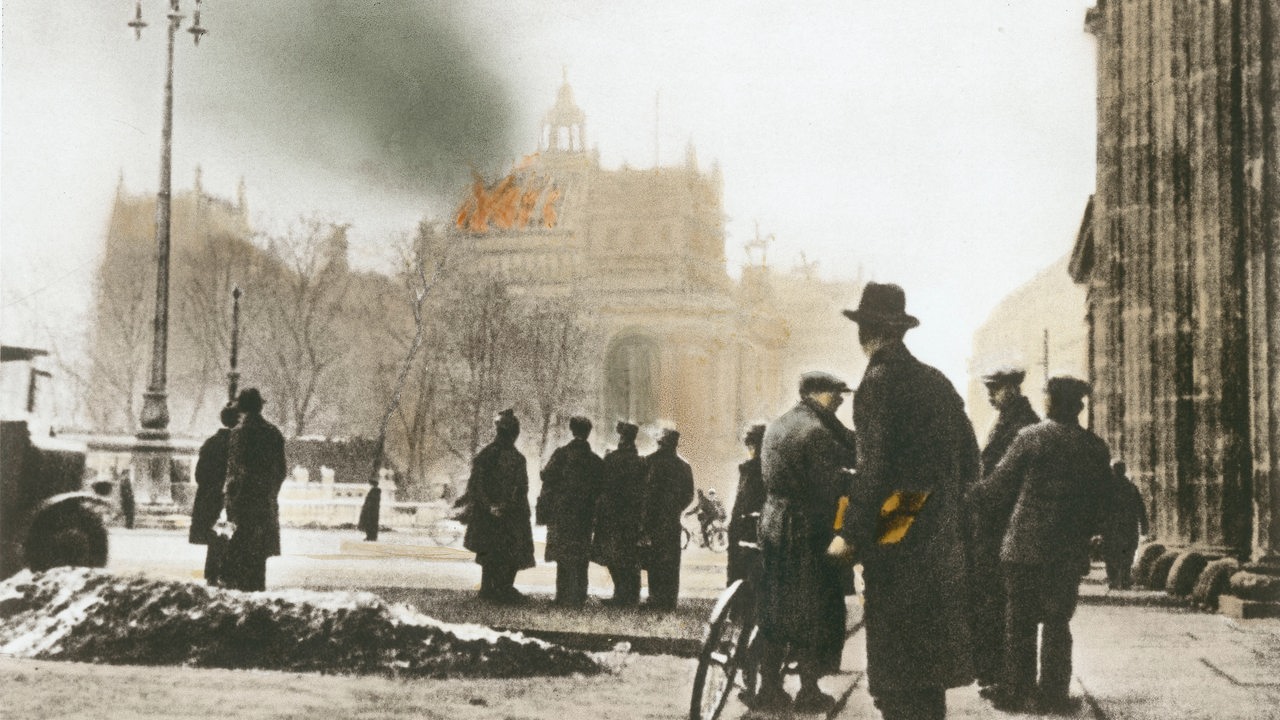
(727, 646)
(714, 537)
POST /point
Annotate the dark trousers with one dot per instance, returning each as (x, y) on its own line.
(245, 571)
(497, 580)
(626, 584)
(987, 608)
(664, 582)
(919, 704)
(571, 581)
(1119, 567)
(1039, 595)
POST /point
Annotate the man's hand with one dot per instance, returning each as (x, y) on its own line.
(840, 550)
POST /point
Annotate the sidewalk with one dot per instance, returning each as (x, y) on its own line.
(1146, 662)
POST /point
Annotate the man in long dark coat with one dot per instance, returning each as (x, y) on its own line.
(1056, 473)
(801, 598)
(255, 472)
(668, 491)
(371, 512)
(747, 503)
(497, 512)
(211, 478)
(1124, 521)
(916, 453)
(566, 505)
(618, 523)
(986, 585)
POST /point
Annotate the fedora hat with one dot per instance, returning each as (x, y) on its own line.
(882, 304)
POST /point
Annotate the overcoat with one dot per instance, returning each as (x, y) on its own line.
(802, 592)
(1058, 474)
(1125, 518)
(255, 472)
(371, 512)
(742, 526)
(211, 476)
(566, 505)
(619, 510)
(668, 491)
(499, 479)
(913, 436)
(1011, 420)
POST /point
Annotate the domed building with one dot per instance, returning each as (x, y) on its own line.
(642, 253)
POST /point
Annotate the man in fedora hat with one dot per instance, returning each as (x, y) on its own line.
(1055, 476)
(255, 471)
(914, 441)
(801, 597)
(987, 524)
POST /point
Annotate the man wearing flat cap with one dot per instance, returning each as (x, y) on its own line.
(747, 503)
(616, 544)
(497, 512)
(255, 471)
(917, 455)
(801, 597)
(668, 491)
(1055, 476)
(1004, 391)
(566, 505)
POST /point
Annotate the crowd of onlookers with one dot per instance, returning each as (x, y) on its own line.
(971, 556)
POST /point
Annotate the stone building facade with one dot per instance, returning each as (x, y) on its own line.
(642, 253)
(1180, 258)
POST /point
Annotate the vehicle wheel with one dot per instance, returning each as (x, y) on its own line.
(685, 537)
(718, 538)
(722, 652)
(66, 534)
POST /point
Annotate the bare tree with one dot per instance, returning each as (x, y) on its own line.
(121, 338)
(554, 363)
(302, 308)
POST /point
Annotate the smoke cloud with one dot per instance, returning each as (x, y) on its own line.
(398, 93)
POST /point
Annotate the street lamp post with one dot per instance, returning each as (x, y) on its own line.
(155, 408)
(233, 376)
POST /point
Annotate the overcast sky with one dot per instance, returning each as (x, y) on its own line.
(945, 146)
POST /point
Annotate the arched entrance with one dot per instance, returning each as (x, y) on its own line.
(631, 379)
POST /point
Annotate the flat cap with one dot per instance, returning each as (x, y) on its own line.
(1004, 375)
(626, 429)
(507, 420)
(1066, 387)
(816, 381)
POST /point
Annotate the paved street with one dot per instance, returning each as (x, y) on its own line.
(342, 559)
(1134, 658)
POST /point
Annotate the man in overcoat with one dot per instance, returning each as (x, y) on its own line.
(986, 585)
(1124, 521)
(211, 478)
(497, 513)
(618, 531)
(801, 599)
(1057, 475)
(668, 491)
(747, 503)
(371, 512)
(255, 472)
(566, 505)
(916, 452)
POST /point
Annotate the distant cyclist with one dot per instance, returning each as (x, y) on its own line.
(709, 509)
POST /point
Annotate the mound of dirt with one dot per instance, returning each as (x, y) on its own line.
(91, 615)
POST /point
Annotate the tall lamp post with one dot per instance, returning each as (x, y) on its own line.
(152, 452)
(155, 408)
(233, 375)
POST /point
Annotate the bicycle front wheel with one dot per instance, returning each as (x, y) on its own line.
(718, 539)
(722, 653)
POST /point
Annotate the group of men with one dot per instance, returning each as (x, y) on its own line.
(622, 511)
(965, 553)
(240, 469)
